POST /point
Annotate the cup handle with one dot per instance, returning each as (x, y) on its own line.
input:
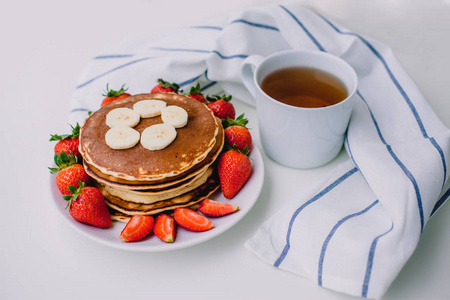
(248, 67)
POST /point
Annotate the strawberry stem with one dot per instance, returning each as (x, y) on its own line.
(113, 93)
(75, 192)
(63, 161)
(165, 84)
(75, 133)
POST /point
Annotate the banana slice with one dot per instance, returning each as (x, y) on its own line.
(122, 116)
(174, 115)
(122, 137)
(149, 108)
(159, 136)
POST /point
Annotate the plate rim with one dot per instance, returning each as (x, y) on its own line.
(256, 181)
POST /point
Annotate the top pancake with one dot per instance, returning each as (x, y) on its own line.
(192, 144)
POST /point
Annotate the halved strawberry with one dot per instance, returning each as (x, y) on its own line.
(164, 228)
(213, 208)
(137, 228)
(191, 220)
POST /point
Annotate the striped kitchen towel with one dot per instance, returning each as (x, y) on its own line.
(355, 230)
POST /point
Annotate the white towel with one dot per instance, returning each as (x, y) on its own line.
(353, 232)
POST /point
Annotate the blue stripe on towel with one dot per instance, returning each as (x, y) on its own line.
(370, 260)
(202, 51)
(332, 232)
(112, 70)
(259, 25)
(389, 148)
(114, 56)
(304, 28)
(402, 166)
(207, 27)
(298, 210)
(400, 89)
(441, 201)
(189, 81)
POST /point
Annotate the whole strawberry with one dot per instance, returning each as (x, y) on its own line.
(87, 205)
(195, 93)
(165, 87)
(234, 169)
(68, 142)
(69, 172)
(237, 134)
(112, 95)
(221, 106)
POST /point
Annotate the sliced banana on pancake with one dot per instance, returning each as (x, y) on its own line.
(122, 116)
(149, 108)
(174, 115)
(122, 137)
(158, 137)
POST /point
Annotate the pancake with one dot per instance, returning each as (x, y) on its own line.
(146, 197)
(186, 200)
(165, 183)
(191, 146)
(121, 217)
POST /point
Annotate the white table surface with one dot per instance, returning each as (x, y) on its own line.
(44, 47)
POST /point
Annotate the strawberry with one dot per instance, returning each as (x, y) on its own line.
(68, 142)
(164, 228)
(87, 205)
(191, 220)
(69, 172)
(112, 95)
(213, 208)
(194, 93)
(234, 169)
(137, 228)
(237, 134)
(165, 87)
(221, 106)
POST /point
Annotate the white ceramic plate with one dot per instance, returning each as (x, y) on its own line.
(245, 199)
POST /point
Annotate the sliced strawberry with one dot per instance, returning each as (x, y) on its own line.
(137, 228)
(164, 228)
(213, 208)
(192, 220)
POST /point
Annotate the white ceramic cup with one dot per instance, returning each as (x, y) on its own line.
(293, 136)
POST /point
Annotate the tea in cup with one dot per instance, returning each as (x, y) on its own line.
(304, 101)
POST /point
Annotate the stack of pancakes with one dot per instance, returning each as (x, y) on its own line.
(144, 182)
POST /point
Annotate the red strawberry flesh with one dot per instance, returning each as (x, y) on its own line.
(137, 228)
(164, 228)
(234, 169)
(192, 220)
(88, 206)
(213, 208)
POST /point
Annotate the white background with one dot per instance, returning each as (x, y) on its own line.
(44, 48)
